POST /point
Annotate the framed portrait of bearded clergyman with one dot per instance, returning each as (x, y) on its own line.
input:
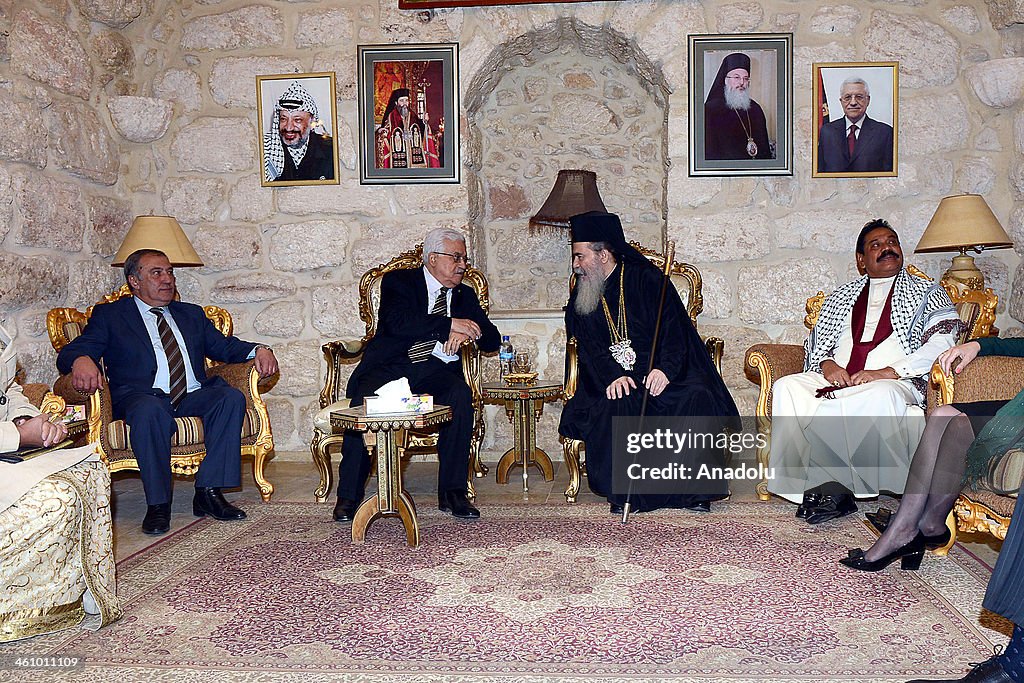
(741, 104)
(298, 129)
(408, 114)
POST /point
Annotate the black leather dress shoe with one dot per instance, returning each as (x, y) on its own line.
(810, 501)
(456, 503)
(615, 508)
(210, 501)
(832, 507)
(157, 520)
(989, 671)
(345, 510)
(700, 506)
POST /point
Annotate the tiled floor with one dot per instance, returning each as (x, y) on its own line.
(294, 479)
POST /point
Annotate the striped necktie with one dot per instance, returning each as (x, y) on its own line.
(420, 351)
(175, 361)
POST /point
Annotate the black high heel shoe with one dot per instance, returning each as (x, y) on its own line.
(931, 542)
(910, 556)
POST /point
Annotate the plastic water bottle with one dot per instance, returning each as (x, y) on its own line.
(506, 353)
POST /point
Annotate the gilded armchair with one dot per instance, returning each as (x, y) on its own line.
(342, 353)
(766, 363)
(187, 447)
(987, 378)
(688, 283)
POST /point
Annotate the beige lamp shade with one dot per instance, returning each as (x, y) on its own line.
(963, 222)
(162, 233)
(575, 192)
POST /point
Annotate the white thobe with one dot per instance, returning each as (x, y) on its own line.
(865, 437)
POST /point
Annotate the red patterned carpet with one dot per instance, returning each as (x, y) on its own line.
(531, 593)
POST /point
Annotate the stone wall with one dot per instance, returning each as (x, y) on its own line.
(122, 107)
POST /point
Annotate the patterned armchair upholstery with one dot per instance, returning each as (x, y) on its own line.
(766, 363)
(341, 353)
(988, 378)
(688, 283)
(187, 447)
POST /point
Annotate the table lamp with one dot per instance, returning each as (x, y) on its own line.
(158, 232)
(575, 192)
(961, 223)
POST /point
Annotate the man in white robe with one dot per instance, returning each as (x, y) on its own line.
(847, 426)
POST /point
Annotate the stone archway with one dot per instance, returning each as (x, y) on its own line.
(567, 95)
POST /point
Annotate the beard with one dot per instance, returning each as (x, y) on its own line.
(589, 290)
(737, 99)
(404, 111)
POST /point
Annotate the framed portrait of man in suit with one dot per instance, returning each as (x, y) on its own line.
(298, 129)
(855, 119)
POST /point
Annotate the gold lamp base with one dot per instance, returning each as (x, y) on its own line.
(963, 274)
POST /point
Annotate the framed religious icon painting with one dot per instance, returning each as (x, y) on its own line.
(408, 114)
(855, 119)
(298, 129)
(741, 104)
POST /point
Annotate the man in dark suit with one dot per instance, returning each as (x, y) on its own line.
(153, 348)
(425, 315)
(855, 143)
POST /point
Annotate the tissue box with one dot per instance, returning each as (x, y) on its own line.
(417, 403)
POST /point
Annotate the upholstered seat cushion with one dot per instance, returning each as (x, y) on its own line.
(189, 433)
(1001, 505)
(322, 420)
(1008, 472)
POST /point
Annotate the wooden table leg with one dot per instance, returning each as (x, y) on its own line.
(524, 415)
(391, 500)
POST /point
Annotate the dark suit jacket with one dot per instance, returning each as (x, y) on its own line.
(403, 320)
(317, 163)
(872, 153)
(117, 335)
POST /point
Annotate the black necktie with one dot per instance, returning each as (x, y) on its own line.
(420, 351)
(175, 361)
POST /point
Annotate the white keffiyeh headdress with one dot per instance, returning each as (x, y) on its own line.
(917, 306)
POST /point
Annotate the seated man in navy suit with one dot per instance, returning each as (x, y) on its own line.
(425, 315)
(855, 143)
(153, 348)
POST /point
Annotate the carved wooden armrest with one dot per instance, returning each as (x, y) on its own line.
(344, 349)
(988, 378)
(469, 352)
(62, 387)
(766, 363)
(572, 369)
(716, 348)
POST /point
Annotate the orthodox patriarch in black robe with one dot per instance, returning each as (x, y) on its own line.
(695, 387)
(728, 132)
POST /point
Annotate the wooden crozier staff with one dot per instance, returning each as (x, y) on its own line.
(670, 252)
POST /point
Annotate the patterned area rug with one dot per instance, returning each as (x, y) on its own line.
(746, 593)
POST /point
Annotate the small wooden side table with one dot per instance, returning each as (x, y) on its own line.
(524, 405)
(391, 499)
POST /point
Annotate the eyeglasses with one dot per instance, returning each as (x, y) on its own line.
(859, 98)
(745, 79)
(458, 258)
